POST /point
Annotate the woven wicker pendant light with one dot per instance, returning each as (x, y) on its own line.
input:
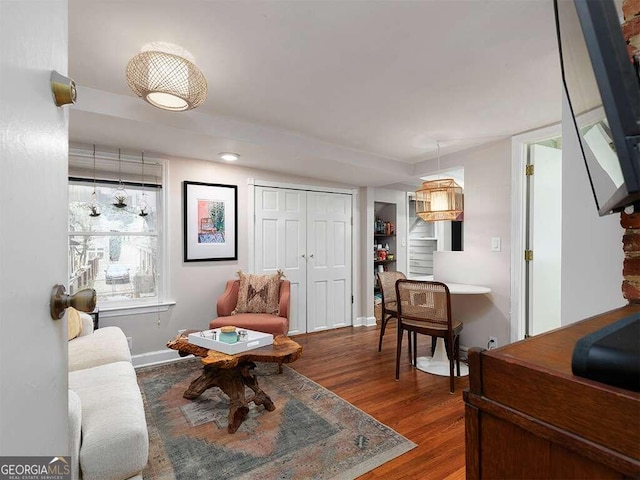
(166, 80)
(439, 199)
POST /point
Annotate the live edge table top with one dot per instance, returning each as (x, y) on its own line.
(283, 350)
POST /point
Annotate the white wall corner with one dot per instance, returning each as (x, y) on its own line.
(365, 322)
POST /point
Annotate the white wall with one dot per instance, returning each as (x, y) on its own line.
(592, 252)
(487, 207)
(33, 226)
(367, 213)
(196, 286)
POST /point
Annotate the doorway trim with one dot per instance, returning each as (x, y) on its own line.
(519, 145)
(355, 229)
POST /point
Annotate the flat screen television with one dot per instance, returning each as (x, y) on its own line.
(603, 88)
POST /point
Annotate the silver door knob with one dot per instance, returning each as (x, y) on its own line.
(304, 256)
(311, 256)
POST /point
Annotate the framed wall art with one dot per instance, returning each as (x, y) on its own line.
(210, 222)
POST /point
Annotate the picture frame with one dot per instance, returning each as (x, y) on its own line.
(210, 221)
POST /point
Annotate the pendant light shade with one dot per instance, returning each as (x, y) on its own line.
(166, 81)
(439, 200)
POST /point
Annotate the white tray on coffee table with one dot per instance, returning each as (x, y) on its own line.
(255, 340)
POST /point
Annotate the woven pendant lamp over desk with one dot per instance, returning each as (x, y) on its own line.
(439, 199)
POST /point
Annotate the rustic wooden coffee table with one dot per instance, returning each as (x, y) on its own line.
(231, 373)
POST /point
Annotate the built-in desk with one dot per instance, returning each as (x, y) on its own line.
(528, 416)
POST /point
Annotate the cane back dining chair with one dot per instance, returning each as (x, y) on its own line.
(387, 283)
(425, 307)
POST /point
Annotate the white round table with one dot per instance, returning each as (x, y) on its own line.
(438, 364)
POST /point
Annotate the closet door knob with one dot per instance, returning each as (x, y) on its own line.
(304, 256)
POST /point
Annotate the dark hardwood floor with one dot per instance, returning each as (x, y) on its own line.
(419, 406)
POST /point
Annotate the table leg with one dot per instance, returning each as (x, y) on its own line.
(439, 363)
(232, 382)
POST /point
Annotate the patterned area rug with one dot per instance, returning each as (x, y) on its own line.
(312, 434)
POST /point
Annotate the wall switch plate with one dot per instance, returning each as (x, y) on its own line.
(495, 244)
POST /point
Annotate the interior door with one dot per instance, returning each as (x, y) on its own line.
(308, 236)
(33, 252)
(280, 243)
(545, 236)
(329, 261)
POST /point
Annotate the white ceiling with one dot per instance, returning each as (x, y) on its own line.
(343, 90)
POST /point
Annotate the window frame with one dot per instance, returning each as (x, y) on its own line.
(135, 306)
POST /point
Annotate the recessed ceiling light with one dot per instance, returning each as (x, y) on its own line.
(228, 156)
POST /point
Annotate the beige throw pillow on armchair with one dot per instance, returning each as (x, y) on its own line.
(258, 294)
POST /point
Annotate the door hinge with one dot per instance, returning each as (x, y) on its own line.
(351, 298)
(528, 255)
(529, 170)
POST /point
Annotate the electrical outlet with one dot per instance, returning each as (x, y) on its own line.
(492, 343)
(130, 342)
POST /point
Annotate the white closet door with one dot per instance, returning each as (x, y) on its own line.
(280, 243)
(329, 260)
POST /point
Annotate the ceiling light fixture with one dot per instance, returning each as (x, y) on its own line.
(228, 156)
(167, 80)
(439, 199)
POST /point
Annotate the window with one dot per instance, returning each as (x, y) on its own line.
(119, 252)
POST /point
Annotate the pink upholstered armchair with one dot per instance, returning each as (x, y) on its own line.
(261, 322)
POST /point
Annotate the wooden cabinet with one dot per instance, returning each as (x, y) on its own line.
(528, 416)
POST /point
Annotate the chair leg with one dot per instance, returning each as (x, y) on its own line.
(457, 353)
(410, 345)
(382, 329)
(449, 343)
(415, 349)
(398, 351)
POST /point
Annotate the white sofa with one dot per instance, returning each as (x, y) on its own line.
(107, 425)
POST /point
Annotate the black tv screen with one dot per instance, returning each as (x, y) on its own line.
(603, 88)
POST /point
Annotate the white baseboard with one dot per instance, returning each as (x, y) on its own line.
(156, 358)
(364, 322)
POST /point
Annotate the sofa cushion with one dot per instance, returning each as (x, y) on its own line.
(115, 442)
(258, 294)
(105, 345)
(260, 322)
(75, 423)
(74, 323)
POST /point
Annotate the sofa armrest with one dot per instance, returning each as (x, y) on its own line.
(75, 423)
(285, 293)
(227, 302)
